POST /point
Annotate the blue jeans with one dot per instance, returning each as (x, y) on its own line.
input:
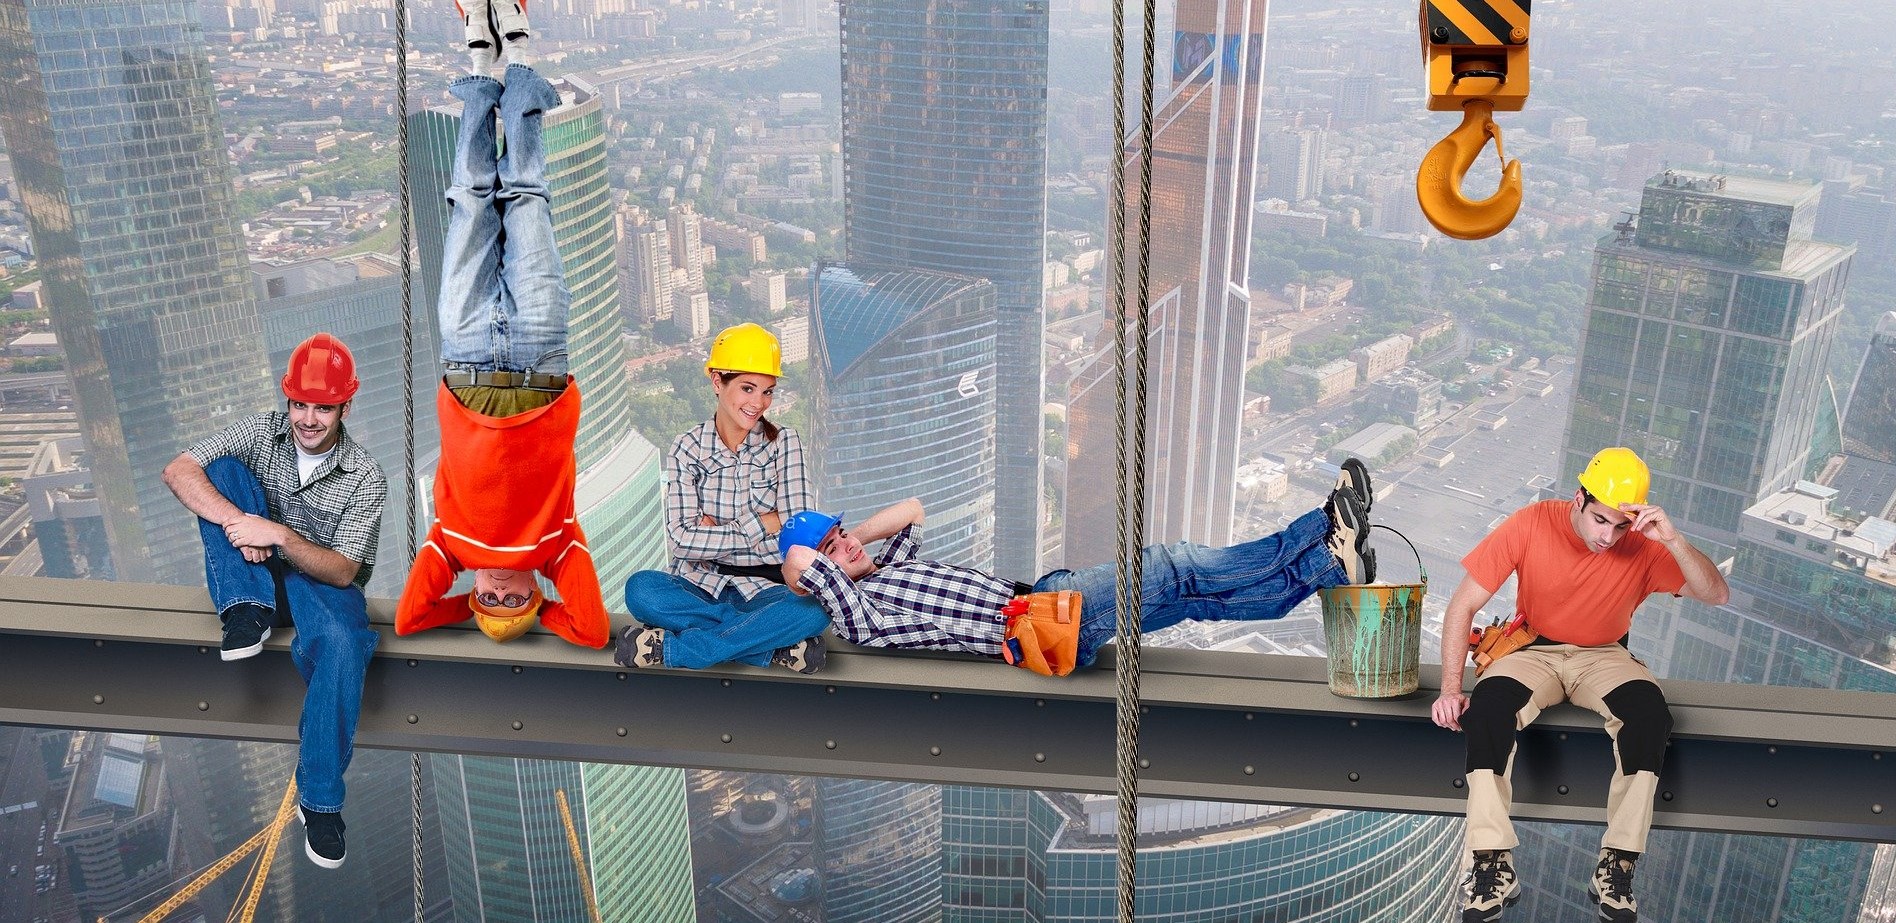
(503, 301)
(332, 645)
(730, 628)
(1258, 580)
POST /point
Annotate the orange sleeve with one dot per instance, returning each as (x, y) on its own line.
(580, 615)
(1499, 554)
(421, 606)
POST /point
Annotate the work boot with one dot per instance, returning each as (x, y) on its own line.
(1612, 886)
(1490, 886)
(805, 656)
(1349, 536)
(1355, 477)
(640, 647)
(246, 627)
(322, 837)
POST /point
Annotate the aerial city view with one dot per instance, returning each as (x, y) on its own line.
(905, 211)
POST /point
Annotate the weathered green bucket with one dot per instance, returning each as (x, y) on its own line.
(1374, 632)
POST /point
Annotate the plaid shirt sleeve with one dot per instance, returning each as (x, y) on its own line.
(794, 494)
(361, 523)
(690, 539)
(901, 547)
(851, 613)
(238, 440)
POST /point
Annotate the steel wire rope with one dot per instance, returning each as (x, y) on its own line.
(404, 200)
(1130, 423)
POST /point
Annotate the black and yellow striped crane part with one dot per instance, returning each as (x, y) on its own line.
(1475, 49)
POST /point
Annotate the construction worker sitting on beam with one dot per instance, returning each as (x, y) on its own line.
(503, 492)
(1583, 565)
(898, 599)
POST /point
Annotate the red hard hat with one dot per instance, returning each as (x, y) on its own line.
(321, 372)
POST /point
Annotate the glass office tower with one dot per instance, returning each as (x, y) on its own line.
(112, 127)
(906, 381)
(1203, 172)
(619, 497)
(1709, 330)
(945, 169)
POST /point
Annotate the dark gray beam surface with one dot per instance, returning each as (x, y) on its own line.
(1219, 726)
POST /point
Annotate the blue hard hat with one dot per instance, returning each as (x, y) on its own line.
(807, 528)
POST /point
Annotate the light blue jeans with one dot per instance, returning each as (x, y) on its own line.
(728, 629)
(504, 301)
(1258, 580)
(333, 639)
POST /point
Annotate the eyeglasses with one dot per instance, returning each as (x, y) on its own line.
(509, 601)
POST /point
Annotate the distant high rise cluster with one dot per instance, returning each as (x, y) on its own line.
(665, 261)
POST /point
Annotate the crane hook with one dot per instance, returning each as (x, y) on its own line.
(1438, 182)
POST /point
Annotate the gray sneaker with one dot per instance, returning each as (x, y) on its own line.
(1612, 886)
(1491, 886)
(1349, 536)
(640, 647)
(1355, 477)
(805, 656)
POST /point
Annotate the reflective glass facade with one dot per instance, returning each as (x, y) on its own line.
(906, 382)
(1204, 168)
(881, 846)
(113, 131)
(945, 169)
(1709, 367)
(1869, 425)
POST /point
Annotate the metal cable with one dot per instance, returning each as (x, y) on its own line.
(1130, 415)
(408, 363)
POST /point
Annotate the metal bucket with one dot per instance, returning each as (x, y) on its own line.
(1374, 633)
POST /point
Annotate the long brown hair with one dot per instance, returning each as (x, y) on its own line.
(763, 423)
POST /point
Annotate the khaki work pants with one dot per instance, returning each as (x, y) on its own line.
(1582, 675)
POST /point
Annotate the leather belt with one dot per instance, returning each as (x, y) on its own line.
(484, 379)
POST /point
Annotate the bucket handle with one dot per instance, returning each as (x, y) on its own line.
(1424, 571)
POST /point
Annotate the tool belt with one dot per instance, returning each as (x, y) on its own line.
(1497, 641)
(1043, 632)
(485, 379)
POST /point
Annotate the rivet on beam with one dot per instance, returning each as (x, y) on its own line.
(622, 676)
(619, 731)
(1250, 770)
(413, 662)
(516, 668)
(98, 642)
(1666, 796)
(1145, 763)
(1040, 757)
(725, 737)
(1040, 703)
(204, 706)
(934, 751)
(1561, 789)
(98, 700)
(517, 725)
(203, 650)
(412, 719)
(1770, 802)
(935, 696)
(830, 689)
(829, 744)
(725, 683)
(1876, 809)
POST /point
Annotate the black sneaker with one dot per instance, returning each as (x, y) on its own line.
(1355, 477)
(1612, 886)
(1349, 536)
(805, 656)
(246, 627)
(322, 838)
(1490, 886)
(640, 647)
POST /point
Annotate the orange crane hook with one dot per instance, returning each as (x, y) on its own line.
(1438, 182)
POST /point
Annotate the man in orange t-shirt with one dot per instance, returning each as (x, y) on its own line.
(1583, 566)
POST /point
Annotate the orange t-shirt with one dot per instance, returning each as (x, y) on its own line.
(1568, 592)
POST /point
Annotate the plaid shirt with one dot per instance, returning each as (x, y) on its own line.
(341, 506)
(913, 603)
(702, 477)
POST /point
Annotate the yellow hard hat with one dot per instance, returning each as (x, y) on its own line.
(1616, 475)
(746, 348)
(506, 624)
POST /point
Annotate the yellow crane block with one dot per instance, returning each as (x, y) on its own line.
(1475, 49)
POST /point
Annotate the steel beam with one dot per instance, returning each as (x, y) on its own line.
(1219, 726)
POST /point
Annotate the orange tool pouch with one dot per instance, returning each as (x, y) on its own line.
(1497, 641)
(1043, 632)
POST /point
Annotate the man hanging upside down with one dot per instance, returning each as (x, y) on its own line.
(503, 491)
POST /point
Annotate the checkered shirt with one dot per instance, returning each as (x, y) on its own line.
(703, 477)
(909, 602)
(341, 506)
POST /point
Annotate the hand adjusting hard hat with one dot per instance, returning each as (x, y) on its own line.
(1616, 475)
(746, 348)
(808, 528)
(321, 372)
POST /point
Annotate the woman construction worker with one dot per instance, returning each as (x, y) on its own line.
(730, 483)
(508, 409)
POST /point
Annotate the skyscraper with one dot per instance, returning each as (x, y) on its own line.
(881, 849)
(905, 370)
(944, 169)
(112, 127)
(618, 496)
(638, 839)
(1203, 171)
(1869, 425)
(1041, 857)
(1706, 342)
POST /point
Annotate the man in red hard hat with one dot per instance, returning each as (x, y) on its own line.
(1582, 565)
(290, 507)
